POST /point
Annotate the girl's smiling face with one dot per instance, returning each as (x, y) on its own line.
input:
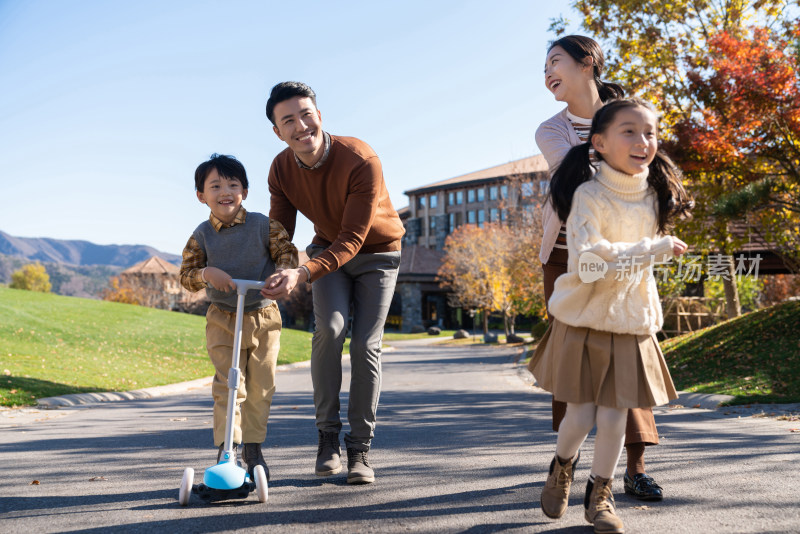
(630, 142)
(564, 76)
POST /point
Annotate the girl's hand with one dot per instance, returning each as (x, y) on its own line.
(678, 246)
(219, 279)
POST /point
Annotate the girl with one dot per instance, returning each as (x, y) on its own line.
(600, 354)
(572, 72)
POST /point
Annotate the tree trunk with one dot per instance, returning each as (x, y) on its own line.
(732, 305)
(485, 315)
(505, 322)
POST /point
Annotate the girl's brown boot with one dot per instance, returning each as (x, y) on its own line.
(555, 493)
(599, 505)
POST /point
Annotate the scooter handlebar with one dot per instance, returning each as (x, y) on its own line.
(243, 286)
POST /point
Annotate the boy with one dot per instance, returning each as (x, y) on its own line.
(234, 243)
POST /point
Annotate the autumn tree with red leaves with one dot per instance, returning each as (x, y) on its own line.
(741, 148)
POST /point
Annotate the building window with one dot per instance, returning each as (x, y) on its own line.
(503, 215)
(527, 189)
(544, 185)
(471, 217)
(459, 197)
(503, 191)
(451, 199)
(432, 225)
(481, 218)
(494, 215)
(470, 196)
(452, 222)
(493, 192)
(420, 202)
(481, 191)
(433, 201)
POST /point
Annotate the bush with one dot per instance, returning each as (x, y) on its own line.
(32, 277)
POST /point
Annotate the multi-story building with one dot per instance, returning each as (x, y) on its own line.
(435, 210)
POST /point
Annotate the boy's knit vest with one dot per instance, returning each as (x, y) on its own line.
(242, 251)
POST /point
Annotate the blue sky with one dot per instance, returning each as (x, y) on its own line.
(108, 107)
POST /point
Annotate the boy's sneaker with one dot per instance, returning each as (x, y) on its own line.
(329, 454)
(235, 452)
(358, 469)
(252, 456)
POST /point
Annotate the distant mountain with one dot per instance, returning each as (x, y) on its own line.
(78, 253)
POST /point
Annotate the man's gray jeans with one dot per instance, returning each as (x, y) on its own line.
(367, 281)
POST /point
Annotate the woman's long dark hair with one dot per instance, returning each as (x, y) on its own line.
(579, 48)
(576, 168)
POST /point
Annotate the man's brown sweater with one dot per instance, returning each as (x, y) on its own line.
(345, 198)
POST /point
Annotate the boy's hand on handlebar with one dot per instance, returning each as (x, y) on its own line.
(219, 279)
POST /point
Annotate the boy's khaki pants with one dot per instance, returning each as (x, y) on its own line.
(258, 357)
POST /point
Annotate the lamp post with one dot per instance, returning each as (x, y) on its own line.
(472, 316)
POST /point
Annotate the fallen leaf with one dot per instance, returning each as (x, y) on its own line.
(794, 430)
(13, 391)
(696, 406)
(6, 371)
(34, 483)
(642, 507)
(178, 419)
(96, 479)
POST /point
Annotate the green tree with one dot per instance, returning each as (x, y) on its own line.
(32, 277)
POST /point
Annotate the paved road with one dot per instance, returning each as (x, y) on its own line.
(462, 446)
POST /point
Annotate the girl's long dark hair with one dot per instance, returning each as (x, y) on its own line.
(576, 168)
(579, 48)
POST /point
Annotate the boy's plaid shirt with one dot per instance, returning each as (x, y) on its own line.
(281, 249)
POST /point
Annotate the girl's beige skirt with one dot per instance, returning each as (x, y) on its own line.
(582, 365)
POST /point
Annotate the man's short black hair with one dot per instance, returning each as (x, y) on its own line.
(227, 167)
(285, 91)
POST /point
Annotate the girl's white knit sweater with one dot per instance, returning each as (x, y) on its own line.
(613, 216)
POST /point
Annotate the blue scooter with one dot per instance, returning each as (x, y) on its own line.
(227, 480)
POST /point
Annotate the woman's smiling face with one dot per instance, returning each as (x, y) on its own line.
(564, 76)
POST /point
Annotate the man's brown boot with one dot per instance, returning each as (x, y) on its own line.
(600, 509)
(555, 494)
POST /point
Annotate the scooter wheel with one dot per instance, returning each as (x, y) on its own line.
(186, 486)
(261, 483)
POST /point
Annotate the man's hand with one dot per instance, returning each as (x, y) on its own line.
(219, 279)
(282, 283)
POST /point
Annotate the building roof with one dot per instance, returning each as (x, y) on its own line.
(531, 164)
(153, 265)
(416, 260)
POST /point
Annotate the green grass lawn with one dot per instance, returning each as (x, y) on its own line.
(755, 357)
(53, 345)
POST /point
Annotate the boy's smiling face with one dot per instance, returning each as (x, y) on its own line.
(223, 195)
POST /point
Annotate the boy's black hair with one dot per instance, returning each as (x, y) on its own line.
(227, 167)
(285, 91)
(579, 47)
(576, 168)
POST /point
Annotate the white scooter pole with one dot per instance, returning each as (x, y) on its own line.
(234, 374)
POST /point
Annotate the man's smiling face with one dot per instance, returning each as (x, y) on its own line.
(299, 125)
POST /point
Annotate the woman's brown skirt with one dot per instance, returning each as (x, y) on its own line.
(582, 365)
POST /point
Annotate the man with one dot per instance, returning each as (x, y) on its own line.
(337, 183)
